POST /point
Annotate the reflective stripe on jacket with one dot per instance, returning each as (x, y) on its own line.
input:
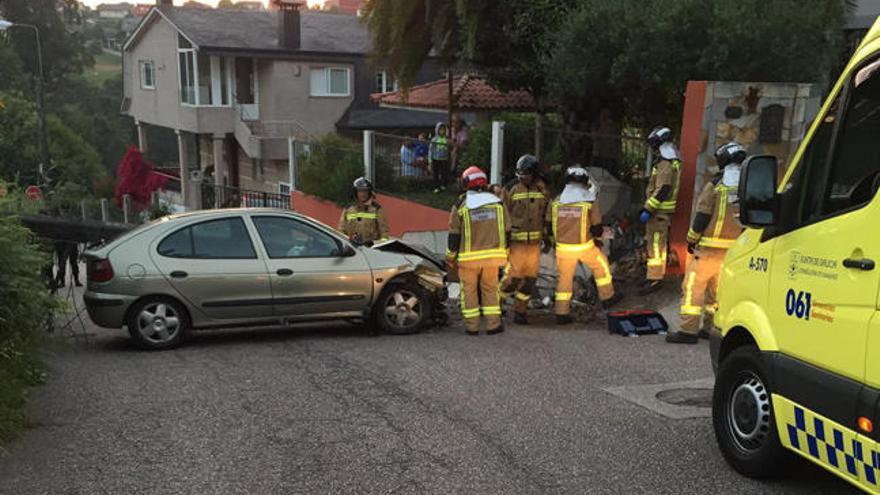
(483, 232)
(665, 173)
(571, 224)
(527, 206)
(366, 220)
(719, 202)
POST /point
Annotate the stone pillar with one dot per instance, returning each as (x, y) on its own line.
(183, 158)
(219, 160)
(142, 136)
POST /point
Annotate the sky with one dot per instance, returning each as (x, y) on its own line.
(94, 3)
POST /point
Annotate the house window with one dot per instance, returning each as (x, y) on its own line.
(205, 80)
(384, 83)
(283, 188)
(148, 74)
(330, 81)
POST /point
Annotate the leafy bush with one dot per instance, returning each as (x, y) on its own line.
(329, 167)
(26, 309)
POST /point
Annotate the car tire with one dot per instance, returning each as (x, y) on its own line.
(158, 323)
(403, 308)
(742, 414)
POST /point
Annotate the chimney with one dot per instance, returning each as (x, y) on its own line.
(289, 34)
(160, 3)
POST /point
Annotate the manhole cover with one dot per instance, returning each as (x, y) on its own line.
(692, 397)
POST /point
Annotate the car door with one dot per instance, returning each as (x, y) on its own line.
(214, 266)
(824, 283)
(309, 274)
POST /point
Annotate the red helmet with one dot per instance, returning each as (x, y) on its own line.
(473, 177)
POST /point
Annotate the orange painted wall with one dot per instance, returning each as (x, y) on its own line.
(403, 216)
(690, 144)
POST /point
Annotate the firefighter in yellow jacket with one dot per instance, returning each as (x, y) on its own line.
(660, 201)
(526, 200)
(574, 219)
(477, 248)
(715, 228)
(364, 220)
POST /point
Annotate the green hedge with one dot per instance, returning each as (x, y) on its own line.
(26, 310)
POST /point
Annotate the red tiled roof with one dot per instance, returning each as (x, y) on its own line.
(469, 93)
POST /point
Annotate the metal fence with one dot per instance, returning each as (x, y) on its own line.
(214, 196)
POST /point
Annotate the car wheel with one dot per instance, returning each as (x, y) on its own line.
(742, 414)
(158, 323)
(403, 308)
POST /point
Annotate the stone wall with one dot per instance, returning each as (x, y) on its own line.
(766, 118)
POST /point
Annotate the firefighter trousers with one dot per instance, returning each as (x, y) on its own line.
(522, 275)
(566, 263)
(657, 238)
(699, 288)
(479, 293)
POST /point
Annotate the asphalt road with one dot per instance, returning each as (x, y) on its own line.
(328, 409)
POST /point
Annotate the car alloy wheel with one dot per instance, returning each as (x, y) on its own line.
(158, 323)
(403, 308)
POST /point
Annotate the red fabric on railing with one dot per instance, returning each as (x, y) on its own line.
(135, 177)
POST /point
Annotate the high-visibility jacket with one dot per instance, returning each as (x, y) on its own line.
(481, 232)
(527, 206)
(365, 220)
(716, 222)
(572, 224)
(662, 192)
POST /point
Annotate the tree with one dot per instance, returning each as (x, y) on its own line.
(225, 4)
(77, 161)
(63, 55)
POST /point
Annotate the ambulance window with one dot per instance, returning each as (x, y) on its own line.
(813, 167)
(855, 170)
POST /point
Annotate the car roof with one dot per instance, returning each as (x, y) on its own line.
(222, 212)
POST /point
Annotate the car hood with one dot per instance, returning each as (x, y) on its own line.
(411, 249)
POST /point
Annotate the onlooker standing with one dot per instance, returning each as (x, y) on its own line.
(439, 155)
(68, 253)
(421, 149)
(459, 140)
(408, 159)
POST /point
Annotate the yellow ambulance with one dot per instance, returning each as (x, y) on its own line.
(796, 346)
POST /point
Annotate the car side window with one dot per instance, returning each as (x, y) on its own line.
(289, 238)
(225, 238)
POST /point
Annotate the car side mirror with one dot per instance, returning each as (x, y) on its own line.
(759, 203)
(347, 251)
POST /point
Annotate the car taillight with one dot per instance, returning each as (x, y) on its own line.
(100, 271)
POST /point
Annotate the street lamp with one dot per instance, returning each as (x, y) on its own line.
(44, 146)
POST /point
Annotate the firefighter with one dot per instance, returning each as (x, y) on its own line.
(526, 199)
(661, 196)
(715, 228)
(573, 220)
(364, 220)
(477, 248)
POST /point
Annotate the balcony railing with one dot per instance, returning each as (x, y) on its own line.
(214, 196)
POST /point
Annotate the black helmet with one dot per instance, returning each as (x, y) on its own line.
(659, 136)
(577, 174)
(731, 152)
(361, 183)
(527, 165)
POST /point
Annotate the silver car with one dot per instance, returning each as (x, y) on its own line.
(241, 267)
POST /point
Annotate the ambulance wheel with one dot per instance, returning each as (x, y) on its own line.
(742, 414)
(404, 307)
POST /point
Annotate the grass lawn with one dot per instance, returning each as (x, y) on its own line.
(107, 65)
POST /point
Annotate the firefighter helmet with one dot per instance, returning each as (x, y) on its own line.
(731, 152)
(527, 165)
(577, 175)
(473, 177)
(360, 184)
(659, 136)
